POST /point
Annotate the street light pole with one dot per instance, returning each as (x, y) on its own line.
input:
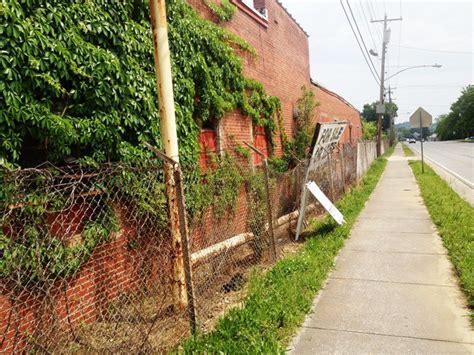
(413, 67)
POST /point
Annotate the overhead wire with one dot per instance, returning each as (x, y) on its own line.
(373, 16)
(375, 75)
(367, 24)
(399, 39)
(436, 50)
(362, 38)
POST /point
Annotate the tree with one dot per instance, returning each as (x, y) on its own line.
(459, 122)
(370, 115)
(369, 130)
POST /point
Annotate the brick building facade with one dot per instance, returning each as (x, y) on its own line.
(282, 65)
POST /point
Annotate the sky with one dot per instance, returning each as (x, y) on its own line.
(431, 32)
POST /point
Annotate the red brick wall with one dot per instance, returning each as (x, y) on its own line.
(332, 107)
(282, 66)
(44, 311)
(282, 62)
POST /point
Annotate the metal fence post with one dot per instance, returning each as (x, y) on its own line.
(180, 246)
(186, 250)
(330, 177)
(343, 169)
(269, 209)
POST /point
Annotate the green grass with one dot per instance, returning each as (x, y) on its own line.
(454, 219)
(407, 151)
(278, 301)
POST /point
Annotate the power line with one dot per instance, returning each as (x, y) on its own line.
(362, 38)
(399, 39)
(372, 16)
(435, 50)
(433, 86)
(367, 24)
(360, 46)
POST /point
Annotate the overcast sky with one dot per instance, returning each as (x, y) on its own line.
(435, 31)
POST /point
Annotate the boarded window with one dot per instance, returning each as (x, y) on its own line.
(208, 147)
(261, 143)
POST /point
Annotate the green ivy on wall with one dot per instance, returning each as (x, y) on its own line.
(224, 12)
(77, 79)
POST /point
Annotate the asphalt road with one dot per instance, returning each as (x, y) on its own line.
(455, 157)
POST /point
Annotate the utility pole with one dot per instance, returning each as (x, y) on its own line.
(386, 39)
(392, 132)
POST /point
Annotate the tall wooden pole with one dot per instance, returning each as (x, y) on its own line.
(382, 82)
(164, 89)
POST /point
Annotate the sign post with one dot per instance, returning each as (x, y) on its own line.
(421, 118)
(421, 143)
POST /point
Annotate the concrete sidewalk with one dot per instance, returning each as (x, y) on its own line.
(393, 289)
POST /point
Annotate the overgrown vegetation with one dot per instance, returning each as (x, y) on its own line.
(77, 80)
(297, 149)
(459, 123)
(369, 130)
(31, 253)
(278, 301)
(454, 219)
(407, 151)
(218, 188)
(224, 12)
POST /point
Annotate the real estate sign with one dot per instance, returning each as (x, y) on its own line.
(325, 139)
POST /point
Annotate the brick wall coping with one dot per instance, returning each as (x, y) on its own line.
(339, 97)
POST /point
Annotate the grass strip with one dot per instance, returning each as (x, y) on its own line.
(407, 151)
(278, 300)
(454, 219)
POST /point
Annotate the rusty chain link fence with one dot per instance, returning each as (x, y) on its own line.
(86, 259)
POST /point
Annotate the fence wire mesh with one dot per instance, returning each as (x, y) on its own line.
(87, 262)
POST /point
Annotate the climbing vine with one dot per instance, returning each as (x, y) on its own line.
(77, 79)
(224, 12)
(30, 248)
(296, 150)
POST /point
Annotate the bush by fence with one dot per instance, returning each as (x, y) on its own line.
(86, 258)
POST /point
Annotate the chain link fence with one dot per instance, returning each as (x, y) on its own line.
(87, 259)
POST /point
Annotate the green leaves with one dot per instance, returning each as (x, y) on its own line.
(77, 78)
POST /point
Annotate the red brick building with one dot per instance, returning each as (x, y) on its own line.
(282, 66)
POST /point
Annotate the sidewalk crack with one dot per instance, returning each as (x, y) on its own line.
(392, 282)
(388, 335)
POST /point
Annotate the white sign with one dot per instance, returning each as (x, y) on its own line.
(426, 119)
(322, 198)
(327, 136)
(380, 108)
(325, 139)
